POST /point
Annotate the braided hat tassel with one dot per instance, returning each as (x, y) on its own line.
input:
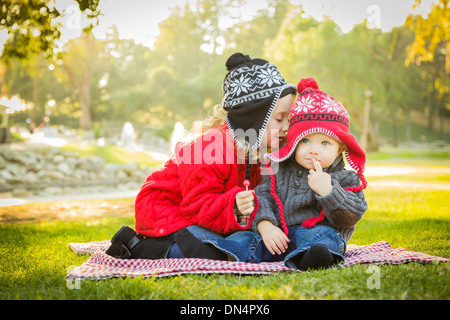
(277, 199)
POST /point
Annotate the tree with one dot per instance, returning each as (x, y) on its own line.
(253, 36)
(346, 65)
(28, 80)
(33, 31)
(185, 53)
(431, 46)
(430, 32)
(32, 28)
(125, 92)
(81, 61)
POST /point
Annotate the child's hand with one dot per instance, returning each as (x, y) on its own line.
(274, 238)
(244, 202)
(319, 181)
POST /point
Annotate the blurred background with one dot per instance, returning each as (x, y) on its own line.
(101, 85)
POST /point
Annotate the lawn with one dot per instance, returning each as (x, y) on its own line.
(34, 256)
(112, 153)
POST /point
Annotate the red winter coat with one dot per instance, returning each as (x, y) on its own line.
(197, 185)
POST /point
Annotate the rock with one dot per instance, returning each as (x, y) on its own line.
(64, 168)
(121, 174)
(92, 176)
(59, 158)
(22, 157)
(81, 174)
(6, 175)
(98, 163)
(53, 175)
(10, 154)
(53, 191)
(16, 169)
(91, 164)
(19, 169)
(2, 162)
(30, 178)
(3, 182)
(131, 168)
(71, 162)
(110, 170)
(21, 192)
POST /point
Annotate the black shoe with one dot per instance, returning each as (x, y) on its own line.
(316, 257)
(191, 247)
(127, 244)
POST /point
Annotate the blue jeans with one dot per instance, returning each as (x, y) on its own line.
(247, 246)
(200, 232)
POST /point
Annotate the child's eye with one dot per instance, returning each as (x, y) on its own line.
(325, 143)
(305, 140)
(279, 120)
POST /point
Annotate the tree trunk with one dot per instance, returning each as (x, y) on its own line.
(431, 111)
(408, 126)
(394, 128)
(36, 90)
(441, 122)
(85, 100)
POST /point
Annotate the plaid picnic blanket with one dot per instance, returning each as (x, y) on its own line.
(102, 266)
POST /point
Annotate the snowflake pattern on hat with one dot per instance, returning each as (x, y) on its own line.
(311, 102)
(240, 85)
(270, 76)
(248, 83)
(316, 111)
(250, 93)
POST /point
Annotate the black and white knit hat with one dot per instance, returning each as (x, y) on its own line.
(251, 90)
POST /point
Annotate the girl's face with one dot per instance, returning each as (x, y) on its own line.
(275, 135)
(319, 146)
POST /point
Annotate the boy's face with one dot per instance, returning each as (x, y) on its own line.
(319, 146)
(278, 125)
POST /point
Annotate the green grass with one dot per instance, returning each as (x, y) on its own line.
(34, 257)
(390, 155)
(112, 154)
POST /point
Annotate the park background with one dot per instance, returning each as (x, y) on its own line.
(89, 106)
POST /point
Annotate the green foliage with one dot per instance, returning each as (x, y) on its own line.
(180, 78)
(430, 32)
(31, 26)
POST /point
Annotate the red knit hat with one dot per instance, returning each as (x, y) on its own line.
(317, 112)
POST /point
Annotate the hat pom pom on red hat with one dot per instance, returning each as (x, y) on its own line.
(307, 83)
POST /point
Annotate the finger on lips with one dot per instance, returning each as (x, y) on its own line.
(317, 165)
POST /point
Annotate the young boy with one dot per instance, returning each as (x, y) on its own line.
(308, 211)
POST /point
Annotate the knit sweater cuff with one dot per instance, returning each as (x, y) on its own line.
(334, 199)
(263, 215)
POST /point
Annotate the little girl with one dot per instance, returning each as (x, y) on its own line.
(200, 188)
(308, 211)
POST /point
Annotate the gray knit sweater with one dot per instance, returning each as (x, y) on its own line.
(343, 209)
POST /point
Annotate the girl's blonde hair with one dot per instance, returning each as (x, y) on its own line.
(217, 119)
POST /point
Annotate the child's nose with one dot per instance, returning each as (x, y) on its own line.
(314, 151)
